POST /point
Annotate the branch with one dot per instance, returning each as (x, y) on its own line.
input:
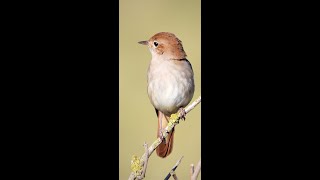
(172, 172)
(195, 173)
(191, 170)
(146, 157)
(137, 163)
(193, 105)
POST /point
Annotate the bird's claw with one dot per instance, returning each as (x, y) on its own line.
(161, 136)
(182, 114)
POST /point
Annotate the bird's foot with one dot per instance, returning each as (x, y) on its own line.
(161, 135)
(182, 114)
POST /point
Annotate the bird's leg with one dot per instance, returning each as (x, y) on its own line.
(162, 130)
(182, 113)
(161, 136)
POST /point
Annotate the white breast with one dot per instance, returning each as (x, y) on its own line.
(170, 85)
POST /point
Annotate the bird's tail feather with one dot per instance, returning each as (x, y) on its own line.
(165, 148)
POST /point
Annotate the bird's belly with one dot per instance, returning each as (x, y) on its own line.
(170, 91)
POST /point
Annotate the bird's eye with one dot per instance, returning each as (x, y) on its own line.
(155, 44)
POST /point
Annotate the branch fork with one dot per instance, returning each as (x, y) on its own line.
(138, 165)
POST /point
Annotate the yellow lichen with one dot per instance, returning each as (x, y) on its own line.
(174, 119)
(136, 164)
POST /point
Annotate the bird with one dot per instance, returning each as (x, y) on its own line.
(170, 83)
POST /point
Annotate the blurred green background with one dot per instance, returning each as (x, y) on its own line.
(139, 20)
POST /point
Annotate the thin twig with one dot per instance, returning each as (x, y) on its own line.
(191, 170)
(174, 121)
(146, 159)
(196, 171)
(172, 172)
(193, 105)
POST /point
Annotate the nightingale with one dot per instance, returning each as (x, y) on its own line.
(170, 83)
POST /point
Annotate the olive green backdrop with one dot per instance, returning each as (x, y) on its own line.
(139, 20)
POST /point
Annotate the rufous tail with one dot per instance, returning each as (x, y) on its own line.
(165, 148)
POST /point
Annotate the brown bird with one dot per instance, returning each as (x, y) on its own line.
(170, 82)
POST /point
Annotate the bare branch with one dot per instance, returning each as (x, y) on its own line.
(174, 120)
(191, 170)
(172, 172)
(196, 171)
(146, 158)
(193, 105)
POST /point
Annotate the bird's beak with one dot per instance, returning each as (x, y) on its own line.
(143, 42)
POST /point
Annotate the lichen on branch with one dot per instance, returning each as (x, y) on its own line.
(138, 163)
